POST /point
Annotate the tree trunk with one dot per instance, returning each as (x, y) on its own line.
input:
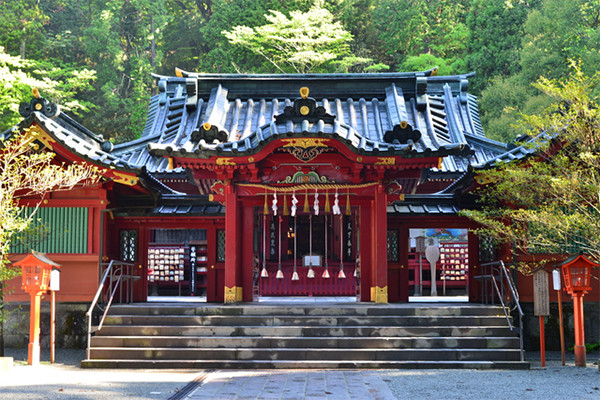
(23, 48)
(153, 45)
(1, 319)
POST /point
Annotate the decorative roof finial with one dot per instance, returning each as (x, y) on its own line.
(304, 91)
(40, 104)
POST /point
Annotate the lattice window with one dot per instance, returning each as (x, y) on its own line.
(128, 245)
(221, 245)
(392, 245)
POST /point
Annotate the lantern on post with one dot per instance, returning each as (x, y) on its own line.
(36, 271)
(577, 271)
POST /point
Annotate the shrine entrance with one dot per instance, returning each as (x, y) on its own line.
(307, 254)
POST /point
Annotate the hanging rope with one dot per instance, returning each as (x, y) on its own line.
(326, 272)
(295, 274)
(307, 186)
(264, 272)
(279, 271)
(306, 205)
(341, 274)
(316, 204)
(286, 211)
(311, 272)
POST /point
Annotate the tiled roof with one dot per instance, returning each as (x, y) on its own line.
(439, 204)
(242, 112)
(204, 115)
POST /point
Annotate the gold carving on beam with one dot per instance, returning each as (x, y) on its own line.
(37, 133)
(125, 179)
(385, 161)
(305, 142)
(305, 149)
(225, 161)
(233, 294)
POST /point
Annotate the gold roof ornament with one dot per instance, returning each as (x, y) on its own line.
(35, 92)
(304, 91)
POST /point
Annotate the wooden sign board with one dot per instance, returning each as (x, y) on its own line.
(541, 294)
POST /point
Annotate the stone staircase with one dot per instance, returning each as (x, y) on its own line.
(360, 335)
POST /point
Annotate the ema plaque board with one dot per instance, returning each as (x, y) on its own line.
(541, 295)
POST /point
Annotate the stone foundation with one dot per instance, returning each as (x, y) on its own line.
(71, 325)
(591, 316)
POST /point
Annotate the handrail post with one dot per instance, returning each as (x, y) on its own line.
(108, 273)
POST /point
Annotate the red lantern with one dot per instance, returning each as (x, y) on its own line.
(37, 269)
(577, 271)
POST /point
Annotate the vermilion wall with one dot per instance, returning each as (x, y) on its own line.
(79, 272)
(525, 288)
(78, 279)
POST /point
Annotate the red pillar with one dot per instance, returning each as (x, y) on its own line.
(247, 246)
(580, 357)
(366, 252)
(233, 259)
(379, 285)
(34, 329)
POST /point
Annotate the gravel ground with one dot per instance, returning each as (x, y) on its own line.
(552, 382)
(65, 380)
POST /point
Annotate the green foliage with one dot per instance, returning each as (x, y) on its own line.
(495, 32)
(21, 23)
(427, 61)
(61, 84)
(24, 171)
(414, 27)
(303, 42)
(554, 32)
(551, 202)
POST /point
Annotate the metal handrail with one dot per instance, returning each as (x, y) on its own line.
(503, 276)
(113, 273)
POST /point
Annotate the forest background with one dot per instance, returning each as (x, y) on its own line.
(95, 57)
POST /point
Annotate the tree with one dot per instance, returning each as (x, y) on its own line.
(550, 203)
(26, 172)
(303, 42)
(19, 76)
(554, 33)
(414, 27)
(21, 23)
(495, 31)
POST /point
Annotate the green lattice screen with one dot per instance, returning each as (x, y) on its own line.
(55, 230)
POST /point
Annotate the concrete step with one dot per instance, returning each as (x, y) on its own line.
(358, 309)
(316, 354)
(305, 336)
(280, 320)
(275, 342)
(303, 331)
(275, 364)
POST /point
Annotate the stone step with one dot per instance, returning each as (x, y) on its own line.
(325, 310)
(342, 321)
(275, 364)
(304, 331)
(306, 342)
(316, 354)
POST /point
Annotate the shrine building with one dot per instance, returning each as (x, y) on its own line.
(244, 186)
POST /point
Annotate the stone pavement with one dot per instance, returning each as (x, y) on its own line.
(293, 385)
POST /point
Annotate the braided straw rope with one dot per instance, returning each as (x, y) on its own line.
(307, 186)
